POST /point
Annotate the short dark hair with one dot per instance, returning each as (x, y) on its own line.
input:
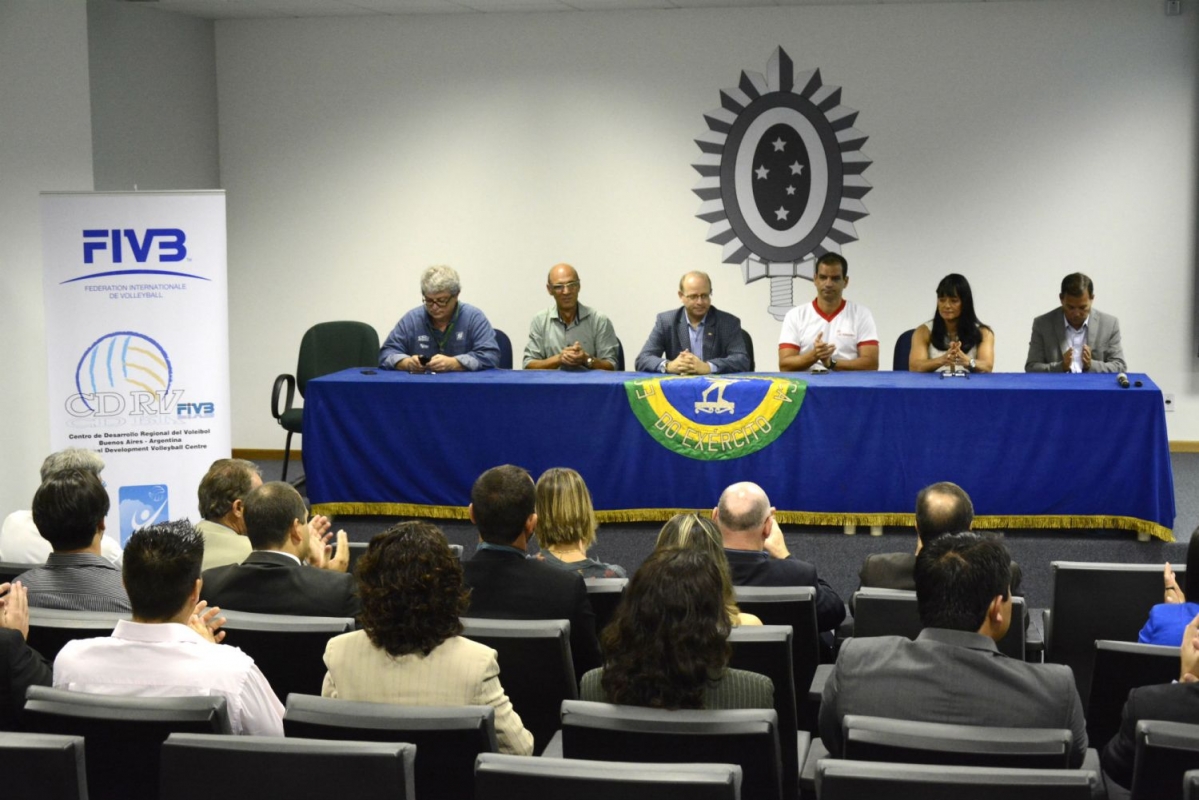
(160, 568)
(412, 589)
(270, 511)
(832, 260)
(1076, 284)
(503, 498)
(934, 519)
(957, 577)
(668, 640)
(69, 507)
(227, 480)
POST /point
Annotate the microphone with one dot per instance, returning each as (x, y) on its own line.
(1122, 379)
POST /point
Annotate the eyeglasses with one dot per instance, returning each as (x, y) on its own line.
(561, 288)
(439, 302)
(692, 298)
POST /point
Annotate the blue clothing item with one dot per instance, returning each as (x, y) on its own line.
(471, 339)
(1166, 624)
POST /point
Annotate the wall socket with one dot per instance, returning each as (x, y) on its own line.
(1173, 8)
(1169, 401)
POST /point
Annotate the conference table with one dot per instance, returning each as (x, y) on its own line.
(1033, 451)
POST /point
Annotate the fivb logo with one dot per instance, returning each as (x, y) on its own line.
(170, 242)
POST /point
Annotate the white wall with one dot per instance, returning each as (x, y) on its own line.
(153, 91)
(45, 143)
(1013, 142)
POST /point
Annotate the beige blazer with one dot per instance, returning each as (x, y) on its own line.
(222, 545)
(458, 672)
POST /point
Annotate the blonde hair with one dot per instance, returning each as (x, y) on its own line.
(695, 532)
(564, 511)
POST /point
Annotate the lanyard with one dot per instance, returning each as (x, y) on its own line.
(445, 337)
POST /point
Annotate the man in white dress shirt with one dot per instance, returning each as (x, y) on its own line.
(830, 333)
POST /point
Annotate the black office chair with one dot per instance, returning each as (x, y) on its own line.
(358, 548)
(326, 347)
(10, 570)
(910, 742)
(1190, 785)
(903, 349)
(51, 628)
(794, 606)
(1166, 751)
(619, 355)
(893, 612)
(745, 737)
(1118, 668)
(123, 735)
(536, 669)
(199, 767)
(605, 595)
(288, 649)
(447, 738)
(839, 779)
(506, 777)
(749, 347)
(505, 344)
(43, 766)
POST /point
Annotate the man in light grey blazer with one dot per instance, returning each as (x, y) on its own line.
(1076, 337)
(953, 673)
(696, 339)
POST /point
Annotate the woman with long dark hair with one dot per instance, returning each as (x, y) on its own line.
(696, 532)
(954, 338)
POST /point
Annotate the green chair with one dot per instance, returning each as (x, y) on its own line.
(326, 347)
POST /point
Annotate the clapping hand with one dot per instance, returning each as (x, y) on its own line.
(206, 622)
(1173, 594)
(14, 608)
(823, 351)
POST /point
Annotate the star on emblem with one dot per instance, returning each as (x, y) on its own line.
(762, 173)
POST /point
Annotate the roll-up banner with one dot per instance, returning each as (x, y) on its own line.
(137, 339)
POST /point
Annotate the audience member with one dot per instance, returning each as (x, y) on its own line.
(695, 339)
(20, 665)
(69, 511)
(505, 583)
(566, 524)
(172, 646)
(409, 650)
(569, 335)
(20, 541)
(667, 645)
(954, 339)
(1075, 337)
(830, 333)
(693, 532)
(274, 578)
(940, 508)
(1169, 619)
(758, 554)
(222, 496)
(953, 672)
(442, 335)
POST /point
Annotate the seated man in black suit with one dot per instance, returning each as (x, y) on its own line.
(274, 579)
(505, 583)
(20, 665)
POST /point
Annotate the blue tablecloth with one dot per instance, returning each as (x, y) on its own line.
(1050, 451)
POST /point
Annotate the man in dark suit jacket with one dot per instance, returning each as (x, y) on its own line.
(1075, 337)
(695, 339)
(274, 579)
(20, 665)
(1173, 702)
(505, 583)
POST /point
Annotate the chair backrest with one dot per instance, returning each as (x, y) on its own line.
(794, 606)
(447, 738)
(9, 570)
(274, 768)
(767, 650)
(1190, 785)
(333, 346)
(745, 737)
(1118, 668)
(903, 349)
(911, 742)
(619, 355)
(893, 612)
(1092, 601)
(288, 649)
(51, 628)
(1165, 752)
(505, 344)
(536, 670)
(749, 348)
(841, 779)
(507, 777)
(605, 595)
(123, 735)
(358, 548)
(44, 766)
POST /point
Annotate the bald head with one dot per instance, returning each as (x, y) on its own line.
(563, 285)
(942, 508)
(743, 516)
(561, 273)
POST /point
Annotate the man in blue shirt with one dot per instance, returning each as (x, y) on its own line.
(443, 335)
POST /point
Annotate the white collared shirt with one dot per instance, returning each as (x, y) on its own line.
(1075, 340)
(171, 660)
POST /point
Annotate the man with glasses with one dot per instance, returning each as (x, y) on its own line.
(695, 339)
(443, 335)
(569, 335)
(830, 333)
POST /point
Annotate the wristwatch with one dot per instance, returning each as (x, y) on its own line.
(832, 364)
(590, 361)
(972, 365)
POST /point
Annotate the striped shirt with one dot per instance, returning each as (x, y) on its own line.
(76, 582)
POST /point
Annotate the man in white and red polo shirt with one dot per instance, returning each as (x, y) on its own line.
(829, 333)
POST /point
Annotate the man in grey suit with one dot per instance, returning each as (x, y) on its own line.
(696, 339)
(1076, 337)
(953, 672)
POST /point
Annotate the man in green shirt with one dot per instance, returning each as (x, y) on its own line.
(569, 335)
